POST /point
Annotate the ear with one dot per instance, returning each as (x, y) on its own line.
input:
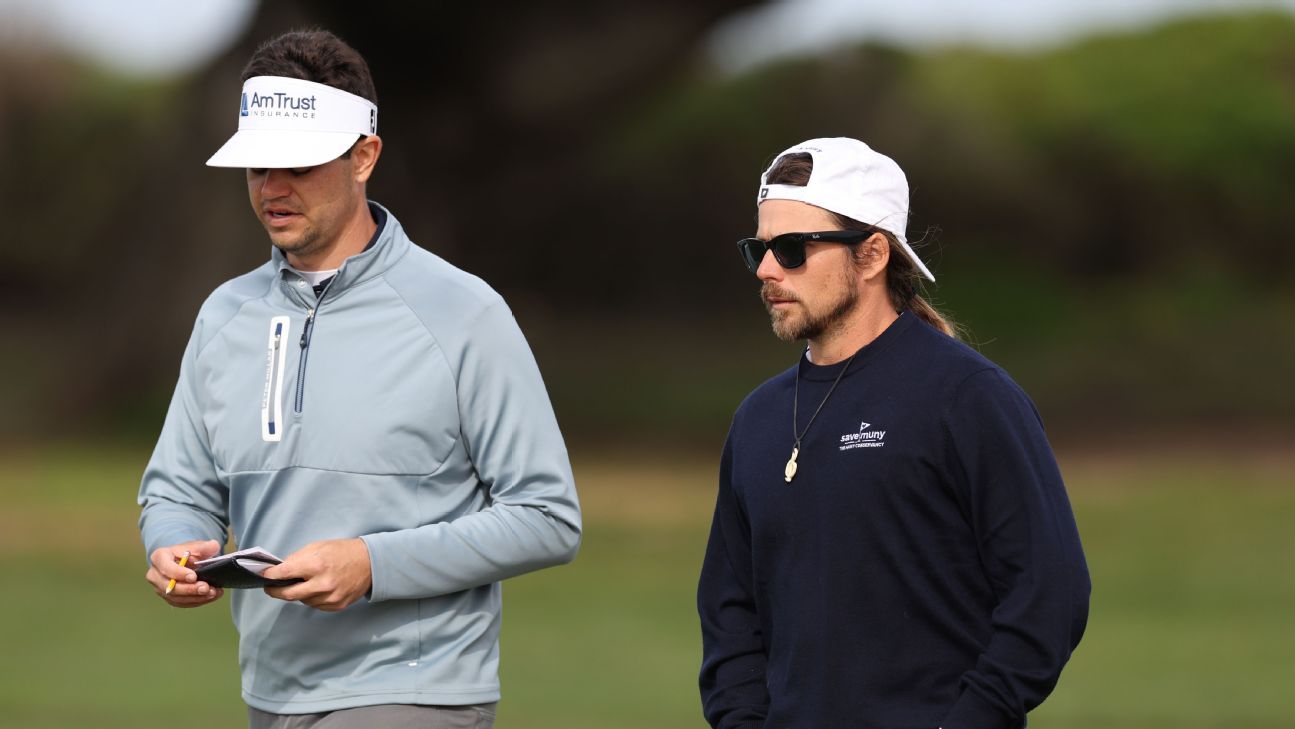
(872, 256)
(365, 157)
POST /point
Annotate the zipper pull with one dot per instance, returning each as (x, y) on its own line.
(305, 330)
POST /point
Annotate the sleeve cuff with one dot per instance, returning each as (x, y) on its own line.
(973, 712)
(378, 582)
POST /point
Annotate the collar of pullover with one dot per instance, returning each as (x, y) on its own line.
(867, 353)
(386, 247)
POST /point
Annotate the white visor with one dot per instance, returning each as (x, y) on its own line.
(287, 122)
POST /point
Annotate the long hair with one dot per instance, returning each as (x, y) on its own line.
(904, 283)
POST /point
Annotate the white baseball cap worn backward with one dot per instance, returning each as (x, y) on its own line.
(288, 122)
(851, 179)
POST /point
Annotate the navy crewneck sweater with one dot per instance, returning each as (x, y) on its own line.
(923, 568)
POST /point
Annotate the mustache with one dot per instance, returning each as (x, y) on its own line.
(771, 290)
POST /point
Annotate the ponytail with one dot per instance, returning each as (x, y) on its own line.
(904, 283)
(927, 313)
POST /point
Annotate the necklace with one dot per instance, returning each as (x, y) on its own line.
(790, 471)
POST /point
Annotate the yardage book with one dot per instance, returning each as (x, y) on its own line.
(241, 569)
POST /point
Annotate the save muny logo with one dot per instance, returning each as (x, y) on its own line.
(864, 438)
(278, 104)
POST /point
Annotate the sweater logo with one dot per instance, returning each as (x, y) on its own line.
(864, 438)
(276, 351)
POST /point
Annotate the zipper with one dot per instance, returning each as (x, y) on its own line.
(306, 330)
(301, 366)
(272, 395)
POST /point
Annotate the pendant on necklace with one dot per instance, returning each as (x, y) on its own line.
(790, 471)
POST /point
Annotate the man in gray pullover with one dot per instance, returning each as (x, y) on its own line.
(364, 408)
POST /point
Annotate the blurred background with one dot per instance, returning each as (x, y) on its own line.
(1103, 190)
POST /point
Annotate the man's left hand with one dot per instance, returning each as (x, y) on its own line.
(336, 574)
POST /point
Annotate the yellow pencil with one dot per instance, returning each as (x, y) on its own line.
(171, 585)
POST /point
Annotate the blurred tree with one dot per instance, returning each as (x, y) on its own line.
(586, 161)
(118, 232)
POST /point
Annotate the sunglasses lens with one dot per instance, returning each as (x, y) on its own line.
(752, 252)
(789, 249)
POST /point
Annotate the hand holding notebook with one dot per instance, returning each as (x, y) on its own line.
(241, 569)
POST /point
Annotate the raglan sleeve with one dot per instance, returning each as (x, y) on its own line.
(733, 689)
(181, 495)
(511, 434)
(1029, 545)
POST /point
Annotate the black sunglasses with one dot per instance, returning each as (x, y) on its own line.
(789, 248)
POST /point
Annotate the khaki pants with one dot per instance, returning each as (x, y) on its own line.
(386, 716)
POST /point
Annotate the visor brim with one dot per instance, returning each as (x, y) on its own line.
(279, 148)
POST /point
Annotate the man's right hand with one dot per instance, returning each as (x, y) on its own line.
(189, 591)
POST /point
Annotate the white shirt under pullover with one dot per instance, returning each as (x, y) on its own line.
(402, 406)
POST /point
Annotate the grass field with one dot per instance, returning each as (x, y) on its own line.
(1191, 622)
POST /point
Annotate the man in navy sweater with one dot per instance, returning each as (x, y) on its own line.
(892, 545)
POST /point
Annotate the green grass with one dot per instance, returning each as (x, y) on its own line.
(1190, 624)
